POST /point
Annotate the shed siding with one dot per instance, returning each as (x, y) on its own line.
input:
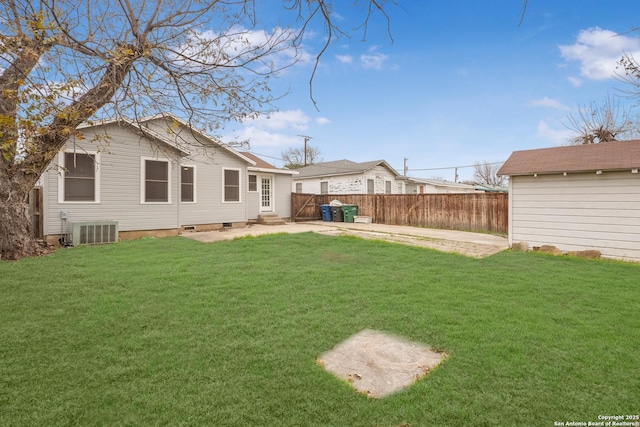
(578, 212)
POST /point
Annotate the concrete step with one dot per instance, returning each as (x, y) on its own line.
(270, 219)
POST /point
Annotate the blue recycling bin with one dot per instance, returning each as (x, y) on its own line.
(326, 212)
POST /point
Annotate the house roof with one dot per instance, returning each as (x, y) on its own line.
(187, 125)
(139, 127)
(616, 155)
(138, 130)
(438, 182)
(263, 166)
(341, 167)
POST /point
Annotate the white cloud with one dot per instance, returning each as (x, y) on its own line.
(374, 60)
(258, 137)
(273, 50)
(549, 103)
(559, 137)
(575, 81)
(598, 52)
(279, 120)
(345, 59)
(277, 129)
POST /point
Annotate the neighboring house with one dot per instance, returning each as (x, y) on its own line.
(435, 186)
(577, 198)
(347, 177)
(157, 176)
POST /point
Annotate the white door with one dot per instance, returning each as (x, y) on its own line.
(266, 194)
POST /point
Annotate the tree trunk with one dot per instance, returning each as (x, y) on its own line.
(16, 239)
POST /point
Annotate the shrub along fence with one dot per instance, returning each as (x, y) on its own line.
(468, 212)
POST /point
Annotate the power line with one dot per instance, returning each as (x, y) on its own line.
(453, 167)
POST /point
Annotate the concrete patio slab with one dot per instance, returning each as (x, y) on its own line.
(379, 364)
(476, 245)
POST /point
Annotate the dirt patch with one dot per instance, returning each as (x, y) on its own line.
(379, 364)
(452, 246)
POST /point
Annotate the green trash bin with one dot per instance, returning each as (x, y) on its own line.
(349, 211)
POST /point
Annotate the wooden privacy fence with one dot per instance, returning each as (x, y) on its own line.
(468, 212)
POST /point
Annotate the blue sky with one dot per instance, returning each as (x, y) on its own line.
(461, 83)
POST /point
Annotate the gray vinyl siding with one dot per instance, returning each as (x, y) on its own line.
(210, 161)
(210, 208)
(578, 212)
(281, 202)
(120, 186)
(282, 195)
(253, 205)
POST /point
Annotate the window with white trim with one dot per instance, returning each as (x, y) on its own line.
(187, 184)
(253, 183)
(387, 187)
(324, 187)
(298, 187)
(80, 180)
(156, 181)
(231, 184)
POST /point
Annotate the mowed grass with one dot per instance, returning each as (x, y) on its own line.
(176, 332)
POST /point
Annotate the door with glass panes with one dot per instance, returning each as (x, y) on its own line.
(266, 194)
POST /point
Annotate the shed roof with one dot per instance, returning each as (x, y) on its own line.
(341, 167)
(616, 155)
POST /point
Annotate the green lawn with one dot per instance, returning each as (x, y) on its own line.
(176, 332)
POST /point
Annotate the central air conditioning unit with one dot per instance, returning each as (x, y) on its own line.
(93, 233)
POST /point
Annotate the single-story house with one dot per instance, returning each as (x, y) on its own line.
(155, 176)
(436, 186)
(580, 197)
(347, 177)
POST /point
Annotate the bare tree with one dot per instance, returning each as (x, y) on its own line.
(294, 157)
(487, 174)
(65, 62)
(596, 123)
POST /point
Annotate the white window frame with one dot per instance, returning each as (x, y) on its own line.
(143, 173)
(249, 182)
(239, 185)
(195, 182)
(61, 176)
(327, 185)
(298, 187)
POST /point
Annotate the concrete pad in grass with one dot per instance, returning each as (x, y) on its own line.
(379, 364)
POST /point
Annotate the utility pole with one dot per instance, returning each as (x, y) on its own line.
(306, 139)
(405, 167)
(455, 177)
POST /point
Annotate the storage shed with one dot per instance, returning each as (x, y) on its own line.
(578, 197)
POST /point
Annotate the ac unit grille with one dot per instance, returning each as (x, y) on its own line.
(94, 233)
